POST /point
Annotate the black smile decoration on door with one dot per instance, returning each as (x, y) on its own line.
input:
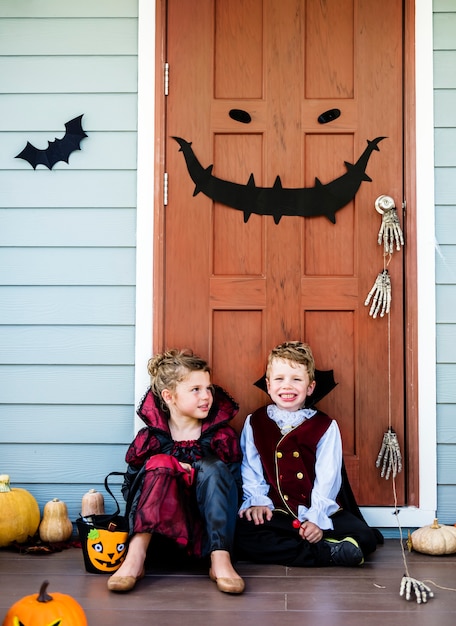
(279, 201)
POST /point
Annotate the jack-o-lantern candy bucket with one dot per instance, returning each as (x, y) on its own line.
(104, 539)
(104, 549)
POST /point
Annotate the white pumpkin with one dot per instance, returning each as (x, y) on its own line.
(434, 539)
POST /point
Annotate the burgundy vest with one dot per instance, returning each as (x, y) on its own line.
(288, 460)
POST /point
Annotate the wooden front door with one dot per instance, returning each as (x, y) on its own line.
(232, 289)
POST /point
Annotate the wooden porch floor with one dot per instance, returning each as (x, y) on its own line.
(274, 595)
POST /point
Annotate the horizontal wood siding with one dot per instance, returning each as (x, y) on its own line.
(445, 211)
(67, 245)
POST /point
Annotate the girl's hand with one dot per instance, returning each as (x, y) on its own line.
(186, 466)
(311, 532)
(257, 514)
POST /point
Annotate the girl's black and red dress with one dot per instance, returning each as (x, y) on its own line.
(196, 510)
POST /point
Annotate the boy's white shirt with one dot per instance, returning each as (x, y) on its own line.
(328, 465)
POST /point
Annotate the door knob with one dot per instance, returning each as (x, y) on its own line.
(384, 203)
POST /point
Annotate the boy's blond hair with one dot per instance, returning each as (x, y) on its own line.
(295, 352)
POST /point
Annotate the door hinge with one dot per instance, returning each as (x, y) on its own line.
(165, 188)
(166, 79)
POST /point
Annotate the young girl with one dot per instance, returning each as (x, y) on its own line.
(183, 471)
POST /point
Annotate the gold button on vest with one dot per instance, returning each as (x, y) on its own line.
(279, 455)
(300, 475)
(296, 454)
(285, 498)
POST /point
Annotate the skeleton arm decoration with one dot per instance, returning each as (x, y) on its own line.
(390, 230)
(422, 591)
(381, 293)
(390, 454)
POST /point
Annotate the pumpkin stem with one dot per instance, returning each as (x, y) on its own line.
(435, 524)
(4, 483)
(43, 595)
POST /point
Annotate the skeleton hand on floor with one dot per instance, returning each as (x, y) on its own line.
(382, 295)
(422, 591)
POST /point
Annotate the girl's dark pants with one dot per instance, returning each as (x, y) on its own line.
(217, 495)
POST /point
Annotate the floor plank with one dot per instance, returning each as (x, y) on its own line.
(274, 594)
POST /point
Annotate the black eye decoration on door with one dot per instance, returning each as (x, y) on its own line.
(279, 201)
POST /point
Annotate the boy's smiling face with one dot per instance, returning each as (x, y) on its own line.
(288, 384)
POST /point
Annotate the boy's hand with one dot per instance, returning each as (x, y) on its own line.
(311, 532)
(257, 514)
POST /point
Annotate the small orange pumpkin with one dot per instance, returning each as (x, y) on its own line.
(45, 610)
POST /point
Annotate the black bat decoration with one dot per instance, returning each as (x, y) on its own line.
(277, 200)
(58, 150)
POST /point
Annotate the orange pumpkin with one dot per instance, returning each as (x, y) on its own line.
(45, 610)
(19, 513)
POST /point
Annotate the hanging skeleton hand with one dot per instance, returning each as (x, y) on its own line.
(422, 591)
(381, 291)
(390, 454)
(390, 229)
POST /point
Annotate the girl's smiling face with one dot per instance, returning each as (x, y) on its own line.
(288, 384)
(192, 396)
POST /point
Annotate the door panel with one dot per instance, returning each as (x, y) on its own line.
(233, 289)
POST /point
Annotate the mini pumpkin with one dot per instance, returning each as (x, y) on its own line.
(46, 610)
(434, 539)
(55, 526)
(92, 503)
(19, 513)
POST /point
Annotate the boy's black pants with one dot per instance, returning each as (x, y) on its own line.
(276, 541)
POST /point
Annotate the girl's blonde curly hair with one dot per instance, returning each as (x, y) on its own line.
(169, 368)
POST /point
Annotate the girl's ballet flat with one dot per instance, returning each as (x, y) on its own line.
(228, 585)
(123, 583)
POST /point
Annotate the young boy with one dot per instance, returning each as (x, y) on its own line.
(292, 476)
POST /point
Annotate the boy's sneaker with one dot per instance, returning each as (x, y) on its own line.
(345, 552)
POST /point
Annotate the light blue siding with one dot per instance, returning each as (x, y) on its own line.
(445, 229)
(67, 245)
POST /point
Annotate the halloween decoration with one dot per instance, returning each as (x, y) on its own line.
(104, 538)
(19, 513)
(46, 610)
(105, 549)
(381, 292)
(390, 454)
(328, 116)
(390, 233)
(422, 591)
(435, 539)
(55, 526)
(389, 457)
(278, 201)
(92, 503)
(390, 229)
(58, 150)
(239, 115)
